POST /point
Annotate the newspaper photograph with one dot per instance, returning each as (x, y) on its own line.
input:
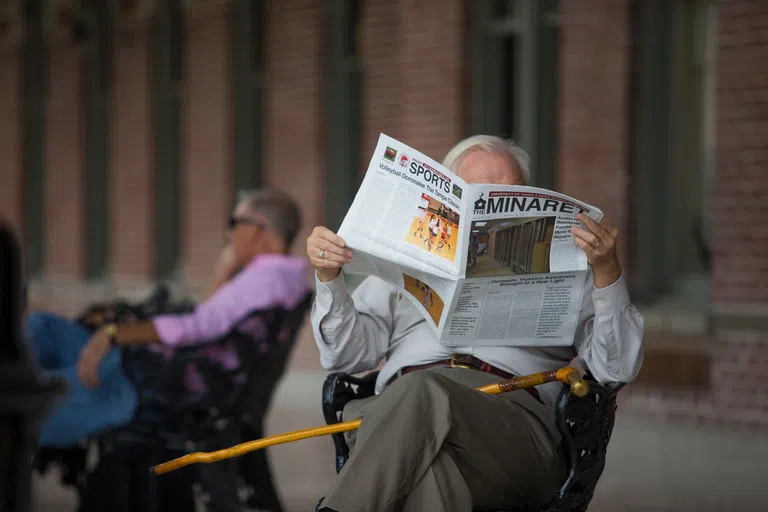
(408, 211)
(485, 264)
(435, 227)
(428, 299)
(510, 246)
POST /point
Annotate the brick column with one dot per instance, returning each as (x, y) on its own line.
(65, 185)
(11, 123)
(740, 229)
(131, 157)
(433, 68)
(382, 81)
(295, 60)
(594, 105)
(294, 109)
(207, 181)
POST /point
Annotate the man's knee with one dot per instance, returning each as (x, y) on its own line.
(420, 391)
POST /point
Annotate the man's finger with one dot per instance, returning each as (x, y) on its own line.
(314, 244)
(325, 264)
(588, 249)
(329, 257)
(330, 248)
(612, 228)
(326, 234)
(607, 224)
(593, 226)
(586, 236)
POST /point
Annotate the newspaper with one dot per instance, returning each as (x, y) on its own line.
(485, 264)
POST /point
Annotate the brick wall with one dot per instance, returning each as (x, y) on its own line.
(131, 157)
(11, 175)
(207, 184)
(382, 80)
(594, 67)
(740, 273)
(433, 64)
(740, 241)
(739, 350)
(295, 50)
(65, 171)
(414, 69)
(414, 89)
(295, 109)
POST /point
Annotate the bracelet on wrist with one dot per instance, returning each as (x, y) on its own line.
(111, 331)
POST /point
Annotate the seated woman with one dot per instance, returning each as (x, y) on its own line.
(254, 272)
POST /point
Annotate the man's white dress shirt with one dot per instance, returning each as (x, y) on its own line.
(356, 331)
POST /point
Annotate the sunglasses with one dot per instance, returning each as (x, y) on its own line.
(236, 221)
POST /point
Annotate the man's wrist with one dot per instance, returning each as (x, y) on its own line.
(607, 274)
(326, 276)
(110, 331)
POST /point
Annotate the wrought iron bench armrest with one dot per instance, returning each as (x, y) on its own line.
(338, 390)
(586, 425)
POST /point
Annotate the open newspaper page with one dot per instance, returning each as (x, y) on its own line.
(485, 264)
(524, 275)
(428, 292)
(404, 226)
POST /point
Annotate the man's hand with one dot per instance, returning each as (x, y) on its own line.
(91, 356)
(226, 264)
(327, 252)
(226, 268)
(598, 241)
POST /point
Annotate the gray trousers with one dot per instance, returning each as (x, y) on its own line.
(431, 442)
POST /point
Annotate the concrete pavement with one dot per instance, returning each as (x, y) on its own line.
(650, 467)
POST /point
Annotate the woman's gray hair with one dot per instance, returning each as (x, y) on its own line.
(276, 207)
(491, 144)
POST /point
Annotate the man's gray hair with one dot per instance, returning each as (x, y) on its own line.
(277, 208)
(491, 144)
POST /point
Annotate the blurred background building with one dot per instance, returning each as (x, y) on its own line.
(126, 128)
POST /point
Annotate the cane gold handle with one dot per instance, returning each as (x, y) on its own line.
(567, 375)
(579, 386)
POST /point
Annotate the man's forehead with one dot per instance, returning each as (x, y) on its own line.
(242, 208)
(486, 167)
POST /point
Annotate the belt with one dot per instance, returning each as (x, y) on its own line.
(461, 361)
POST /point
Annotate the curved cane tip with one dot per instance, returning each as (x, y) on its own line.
(160, 469)
(580, 388)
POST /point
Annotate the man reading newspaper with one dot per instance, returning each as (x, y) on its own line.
(428, 439)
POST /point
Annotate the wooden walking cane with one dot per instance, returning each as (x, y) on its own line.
(567, 375)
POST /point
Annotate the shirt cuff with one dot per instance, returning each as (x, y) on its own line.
(169, 330)
(333, 292)
(611, 298)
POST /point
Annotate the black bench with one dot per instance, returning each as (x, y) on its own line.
(585, 424)
(171, 421)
